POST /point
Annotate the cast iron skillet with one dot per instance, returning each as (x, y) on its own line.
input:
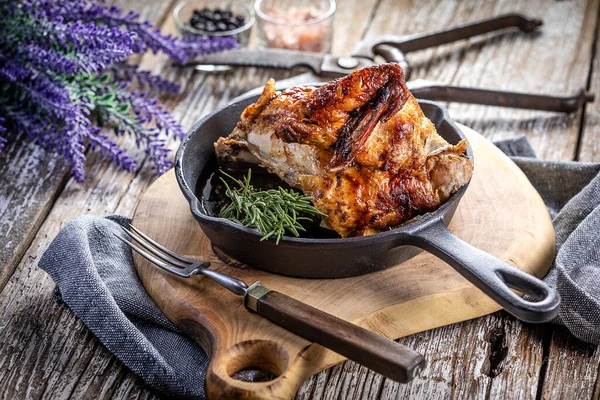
(336, 258)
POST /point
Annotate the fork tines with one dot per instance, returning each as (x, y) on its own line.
(160, 255)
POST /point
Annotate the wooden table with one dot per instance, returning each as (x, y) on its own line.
(46, 352)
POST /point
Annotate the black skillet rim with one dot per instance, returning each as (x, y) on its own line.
(405, 227)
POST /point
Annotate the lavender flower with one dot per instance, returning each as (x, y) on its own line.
(2, 130)
(110, 150)
(147, 36)
(72, 147)
(149, 110)
(130, 74)
(194, 47)
(63, 64)
(40, 58)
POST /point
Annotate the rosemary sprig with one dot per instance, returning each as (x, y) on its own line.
(272, 212)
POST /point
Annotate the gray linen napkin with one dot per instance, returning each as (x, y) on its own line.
(571, 191)
(95, 277)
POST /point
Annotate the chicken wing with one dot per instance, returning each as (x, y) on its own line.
(359, 145)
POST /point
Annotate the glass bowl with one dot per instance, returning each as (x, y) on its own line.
(293, 25)
(183, 12)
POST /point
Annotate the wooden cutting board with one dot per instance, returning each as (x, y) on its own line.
(501, 213)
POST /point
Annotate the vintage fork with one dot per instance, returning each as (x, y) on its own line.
(389, 358)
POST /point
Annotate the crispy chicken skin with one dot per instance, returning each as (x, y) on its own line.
(359, 145)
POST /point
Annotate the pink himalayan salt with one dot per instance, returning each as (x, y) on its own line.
(312, 37)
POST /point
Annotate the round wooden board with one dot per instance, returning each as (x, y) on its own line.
(501, 213)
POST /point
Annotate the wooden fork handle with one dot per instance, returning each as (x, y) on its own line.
(389, 358)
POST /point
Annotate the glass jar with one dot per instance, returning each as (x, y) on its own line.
(184, 14)
(286, 24)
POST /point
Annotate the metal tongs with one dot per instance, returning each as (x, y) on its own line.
(393, 48)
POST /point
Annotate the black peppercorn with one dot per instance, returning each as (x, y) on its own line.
(216, 20)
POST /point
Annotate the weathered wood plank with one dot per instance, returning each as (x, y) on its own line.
(572, 369)
(491, 356)
(506, 360)
(440, 347)
(589, 148)
(354, 19)
(30, 181)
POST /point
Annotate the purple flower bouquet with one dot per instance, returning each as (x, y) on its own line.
(63, 75)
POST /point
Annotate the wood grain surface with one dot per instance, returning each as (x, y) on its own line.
(46, 352)
(420, 294)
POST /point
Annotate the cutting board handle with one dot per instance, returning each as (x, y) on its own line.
(235, 366)
(493, 276)
(377, 352)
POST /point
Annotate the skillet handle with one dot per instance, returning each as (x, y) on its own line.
(374, 351)
(490, 274)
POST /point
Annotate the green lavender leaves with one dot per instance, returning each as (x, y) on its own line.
(272, 212)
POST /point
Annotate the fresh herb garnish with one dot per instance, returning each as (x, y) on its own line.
(272, 212)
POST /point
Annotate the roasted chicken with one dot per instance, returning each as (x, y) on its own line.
(359, 145)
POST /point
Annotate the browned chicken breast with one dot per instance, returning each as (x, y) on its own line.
(359, 145)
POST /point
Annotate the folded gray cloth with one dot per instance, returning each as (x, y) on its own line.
(571, 191)
(95, 277)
